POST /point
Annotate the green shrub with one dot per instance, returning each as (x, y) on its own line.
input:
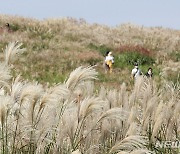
(129, 58)
(15, 27)
(155, 69)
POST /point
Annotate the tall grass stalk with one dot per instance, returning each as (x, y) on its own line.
(74, 116)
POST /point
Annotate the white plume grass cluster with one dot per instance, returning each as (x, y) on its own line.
(74, 118)
(79, 75)
(4, 75)
(130, 143)
(11, 52)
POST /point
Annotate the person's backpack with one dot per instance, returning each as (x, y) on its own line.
(137, 71)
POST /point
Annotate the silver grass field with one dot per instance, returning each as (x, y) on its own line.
(74, 117)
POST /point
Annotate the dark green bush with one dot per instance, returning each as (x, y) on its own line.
(129, 58)
(15, 27)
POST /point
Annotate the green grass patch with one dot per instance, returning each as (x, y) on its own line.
(103, 77)
(38, 46)
(45, 77)
(15, 27)
(128, 59)
(144, 69)
(51, 77)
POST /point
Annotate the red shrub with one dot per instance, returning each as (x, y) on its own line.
(134, 48)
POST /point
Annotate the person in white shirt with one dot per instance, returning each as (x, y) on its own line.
(136, 72)
(109, 61)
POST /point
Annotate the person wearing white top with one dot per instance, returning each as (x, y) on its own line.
(136, 72)
(109, 57)
(109, 61)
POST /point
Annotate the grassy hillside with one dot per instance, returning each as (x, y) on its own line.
(55, 47)
(80, 115)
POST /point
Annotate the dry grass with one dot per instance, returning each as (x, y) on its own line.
(55, 47)
(73, 117)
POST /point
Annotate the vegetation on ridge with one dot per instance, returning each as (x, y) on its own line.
(55, 47)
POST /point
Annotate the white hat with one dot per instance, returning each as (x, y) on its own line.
(110, 53)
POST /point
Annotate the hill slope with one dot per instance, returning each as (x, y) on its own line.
(57, 46)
